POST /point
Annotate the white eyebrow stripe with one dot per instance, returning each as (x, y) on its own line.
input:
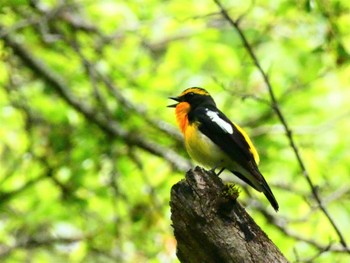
(222, 123)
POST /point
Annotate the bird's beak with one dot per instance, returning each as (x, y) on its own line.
(174, 105)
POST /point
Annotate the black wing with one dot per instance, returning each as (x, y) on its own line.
(233, 144)
(218, 128)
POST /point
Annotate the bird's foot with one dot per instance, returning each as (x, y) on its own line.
(213, 170)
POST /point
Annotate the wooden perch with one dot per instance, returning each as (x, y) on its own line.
(210, 226)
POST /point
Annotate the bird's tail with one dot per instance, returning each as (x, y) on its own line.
(265, 188)
(269, 195)
(259, 183)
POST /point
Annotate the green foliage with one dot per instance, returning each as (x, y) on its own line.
(78, 183)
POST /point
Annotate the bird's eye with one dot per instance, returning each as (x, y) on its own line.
(190, 94)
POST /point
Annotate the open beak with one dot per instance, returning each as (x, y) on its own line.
(174, 105)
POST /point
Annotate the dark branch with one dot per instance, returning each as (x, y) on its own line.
(288, 131)
(210, 225)
(110, 127)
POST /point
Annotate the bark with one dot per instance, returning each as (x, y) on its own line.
(211, 226)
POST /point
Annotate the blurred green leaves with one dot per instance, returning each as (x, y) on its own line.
(94, 186)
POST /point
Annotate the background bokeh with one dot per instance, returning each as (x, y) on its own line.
(89, 151)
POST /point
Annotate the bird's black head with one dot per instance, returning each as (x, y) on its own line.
(194, 96)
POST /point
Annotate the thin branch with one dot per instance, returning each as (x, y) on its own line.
(276, 108)
(317, 255)
(31, 243)
(281, 225)
(139, 110)
(110, 127)
(114, 90)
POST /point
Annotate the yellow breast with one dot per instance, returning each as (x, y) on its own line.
(201, 148)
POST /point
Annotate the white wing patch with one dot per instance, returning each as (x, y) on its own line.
(222, 124)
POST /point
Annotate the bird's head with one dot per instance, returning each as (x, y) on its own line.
(191, 98)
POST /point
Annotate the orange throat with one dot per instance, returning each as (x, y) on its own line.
(181, 112)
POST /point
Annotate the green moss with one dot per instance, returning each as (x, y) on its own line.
(230, 191)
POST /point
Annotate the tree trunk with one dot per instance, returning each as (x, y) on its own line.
(211, 226)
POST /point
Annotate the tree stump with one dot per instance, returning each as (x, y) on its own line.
(211, 226)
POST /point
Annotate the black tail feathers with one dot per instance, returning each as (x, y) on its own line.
(269, 195)
(263, 187)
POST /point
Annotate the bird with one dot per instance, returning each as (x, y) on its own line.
(212, 140)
